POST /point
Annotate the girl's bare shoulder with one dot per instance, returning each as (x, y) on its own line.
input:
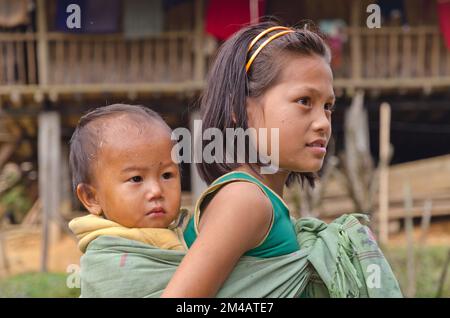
(244, 193)
(242, 202)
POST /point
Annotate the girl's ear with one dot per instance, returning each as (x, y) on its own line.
(233, 118)
(253, 112)
(87, 195)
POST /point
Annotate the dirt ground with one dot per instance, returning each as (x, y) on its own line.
(438, 234)
(23, 250)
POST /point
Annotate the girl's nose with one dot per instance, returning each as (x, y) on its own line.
(321, 122)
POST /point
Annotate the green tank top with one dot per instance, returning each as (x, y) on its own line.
(280, 240)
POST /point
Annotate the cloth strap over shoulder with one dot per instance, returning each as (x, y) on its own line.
(335, 261)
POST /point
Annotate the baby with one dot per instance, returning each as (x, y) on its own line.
(123, 173)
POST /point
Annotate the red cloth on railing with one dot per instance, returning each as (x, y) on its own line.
(443, 11)
(223, 18)
(13, 13)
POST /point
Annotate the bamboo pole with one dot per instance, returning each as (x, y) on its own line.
(356, 40)
(409, 228)
(42, 42)
(435, 55)
(443, 276)
(4, 263)
(49, 154)
(421, 49)
(385, 121)
(254, 11)
(425, 224)
(199, 70)
(406, 54)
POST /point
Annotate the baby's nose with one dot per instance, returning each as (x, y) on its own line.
(153, 192)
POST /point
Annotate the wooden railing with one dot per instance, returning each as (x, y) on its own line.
(385, 58)
(395, 57)
(76, 61)
(18, 59)
(113, 59)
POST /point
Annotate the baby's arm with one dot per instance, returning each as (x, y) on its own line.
(235, 221)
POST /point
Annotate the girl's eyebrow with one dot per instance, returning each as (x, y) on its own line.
(313, 91)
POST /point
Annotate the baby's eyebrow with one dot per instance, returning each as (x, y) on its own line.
(167, 164)
(134, 168)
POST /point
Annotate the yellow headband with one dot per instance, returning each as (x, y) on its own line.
(259, 36)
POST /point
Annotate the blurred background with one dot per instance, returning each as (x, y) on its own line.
(389, 156)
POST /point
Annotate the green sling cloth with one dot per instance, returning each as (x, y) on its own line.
(340, 259)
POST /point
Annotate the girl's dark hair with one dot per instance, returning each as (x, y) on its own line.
(229, 85)
(85, 140)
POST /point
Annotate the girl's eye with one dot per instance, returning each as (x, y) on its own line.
(167, 175)
(330, 107)
(136, 179)
(305, 101)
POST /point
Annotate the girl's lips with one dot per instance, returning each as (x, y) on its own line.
(317, 150)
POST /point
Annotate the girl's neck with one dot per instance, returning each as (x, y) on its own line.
(274, 181)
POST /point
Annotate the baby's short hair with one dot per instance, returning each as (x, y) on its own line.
(85, 140)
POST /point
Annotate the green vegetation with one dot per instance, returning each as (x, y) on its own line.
(429, 266)
(16, 201)
(37, 285)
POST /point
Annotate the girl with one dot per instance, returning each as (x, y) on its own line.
(265, 76)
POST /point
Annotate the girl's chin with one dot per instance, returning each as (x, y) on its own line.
(317, 166)
(311, 166)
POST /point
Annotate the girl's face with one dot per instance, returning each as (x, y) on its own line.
(300, 106)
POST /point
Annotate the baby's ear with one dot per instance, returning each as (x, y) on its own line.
(87, 195)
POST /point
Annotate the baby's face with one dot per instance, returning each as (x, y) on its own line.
(137, 184)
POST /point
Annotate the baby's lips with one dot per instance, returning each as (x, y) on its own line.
(156, 210)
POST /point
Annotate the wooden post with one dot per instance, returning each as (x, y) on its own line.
(355, 43)
(371, 56)
(4, 264)
(49, 154)
(426, 216)
(443, 276)
(254, 11)
(409, 228)
(406, 54)
(42, 42)
(421, 50)
(199, 70)
(31, 62)
(435, 54)
(383, 206)
(65, 183)
(393, 54)
(356, 160)
(197, 184)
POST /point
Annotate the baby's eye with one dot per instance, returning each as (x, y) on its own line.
(305, 101)
(330, 107)
(136, 179)
(167, 175)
